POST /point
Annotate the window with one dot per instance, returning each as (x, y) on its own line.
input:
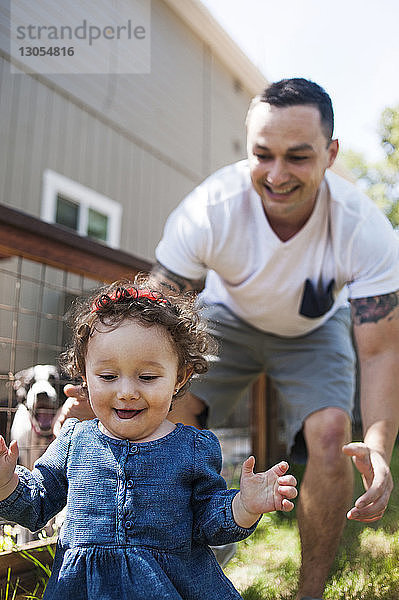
(67, 213)
(80, 208)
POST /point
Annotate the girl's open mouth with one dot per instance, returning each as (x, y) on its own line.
(127, 414)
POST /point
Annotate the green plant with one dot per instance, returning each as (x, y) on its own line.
(43, 573)
(7, 590)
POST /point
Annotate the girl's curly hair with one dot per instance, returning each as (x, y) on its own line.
(112, 304)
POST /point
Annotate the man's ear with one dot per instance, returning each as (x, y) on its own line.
(332, 152)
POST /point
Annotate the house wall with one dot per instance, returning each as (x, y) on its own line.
(142, 140)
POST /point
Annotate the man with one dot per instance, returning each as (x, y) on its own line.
(282, 244)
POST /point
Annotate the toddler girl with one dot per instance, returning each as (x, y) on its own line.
(144, 496)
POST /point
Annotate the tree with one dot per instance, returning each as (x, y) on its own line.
(381, 180)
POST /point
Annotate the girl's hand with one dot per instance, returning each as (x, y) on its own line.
(8, 462)
(263, 492)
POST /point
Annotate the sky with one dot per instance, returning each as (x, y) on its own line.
(349, 47)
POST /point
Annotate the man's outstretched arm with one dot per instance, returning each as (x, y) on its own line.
(376, 330)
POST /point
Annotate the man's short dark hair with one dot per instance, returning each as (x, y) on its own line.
(299, 91)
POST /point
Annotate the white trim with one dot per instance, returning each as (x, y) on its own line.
(54, 183)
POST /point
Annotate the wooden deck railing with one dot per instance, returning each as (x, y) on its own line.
(54, 245)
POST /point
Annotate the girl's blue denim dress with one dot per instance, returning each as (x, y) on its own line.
(139, 516)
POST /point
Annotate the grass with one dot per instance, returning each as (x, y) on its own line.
(266, 565)
(366, 566)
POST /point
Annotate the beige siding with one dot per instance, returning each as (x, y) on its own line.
(164, 108)
(42, 129)
(142, 140)
(229, 106)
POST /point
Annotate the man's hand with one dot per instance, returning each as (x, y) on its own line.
(76, 405)
(263, 492)
(377, 482)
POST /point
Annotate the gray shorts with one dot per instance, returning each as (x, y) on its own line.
(310, 372)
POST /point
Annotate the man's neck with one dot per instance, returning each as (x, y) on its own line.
(285, 229)
(288, 225)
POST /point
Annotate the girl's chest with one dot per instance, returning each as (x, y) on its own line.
(128, 476)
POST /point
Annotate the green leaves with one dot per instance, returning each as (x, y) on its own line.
(381, 180)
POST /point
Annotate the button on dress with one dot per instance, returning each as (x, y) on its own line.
(140, 516)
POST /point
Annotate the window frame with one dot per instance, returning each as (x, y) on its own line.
(54, 183)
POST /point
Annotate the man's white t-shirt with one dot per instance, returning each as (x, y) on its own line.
(220, 231)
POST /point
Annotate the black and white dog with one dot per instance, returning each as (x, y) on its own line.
(39, 395)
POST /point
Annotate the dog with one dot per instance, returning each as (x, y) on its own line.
(39, 396)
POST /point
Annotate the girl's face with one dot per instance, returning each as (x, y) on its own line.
(131, 375)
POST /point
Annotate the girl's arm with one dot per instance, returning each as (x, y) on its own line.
(211, 501)
(8, 462)
(224, 515)
(35, 496)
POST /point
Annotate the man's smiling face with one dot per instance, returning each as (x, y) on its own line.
(288, 154)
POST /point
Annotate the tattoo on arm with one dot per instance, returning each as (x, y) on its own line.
(375, 308)
(173, 282)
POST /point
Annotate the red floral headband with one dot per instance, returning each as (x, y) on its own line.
(120, 294)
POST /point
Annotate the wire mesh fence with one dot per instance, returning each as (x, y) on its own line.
(34, 299)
